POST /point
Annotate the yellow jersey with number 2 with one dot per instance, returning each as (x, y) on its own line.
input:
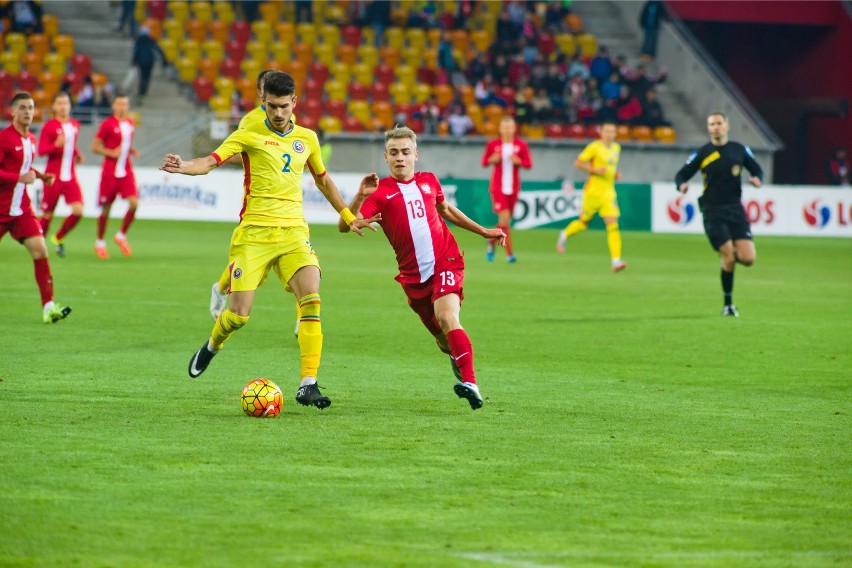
(274, 164)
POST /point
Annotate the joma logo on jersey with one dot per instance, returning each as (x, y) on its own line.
(271, 143)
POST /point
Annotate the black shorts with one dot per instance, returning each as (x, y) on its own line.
(725, 222)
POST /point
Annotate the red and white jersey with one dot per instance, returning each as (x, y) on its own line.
(412, 225)
(506, 177)
(116, 133)
(60, 161)
(16, 159)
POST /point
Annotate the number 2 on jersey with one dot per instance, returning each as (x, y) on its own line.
(286, 168)
(416, 209)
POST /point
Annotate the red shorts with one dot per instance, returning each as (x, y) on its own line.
(502, 202)
(422, 295)
(21, 227)
(112, 187)
(70, 190)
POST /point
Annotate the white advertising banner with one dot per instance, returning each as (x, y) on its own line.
(812, 211)
(537, 208)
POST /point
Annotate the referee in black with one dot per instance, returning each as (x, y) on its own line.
(721, 162)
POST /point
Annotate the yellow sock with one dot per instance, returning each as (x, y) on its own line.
(225, 280)
(613, 239)
(227, 323)
(574, 227)
(310, 334)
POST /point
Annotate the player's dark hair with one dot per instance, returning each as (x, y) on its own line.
(19, 96)
(61, 94)
(260, 77)
(119, 95)
(279, 84)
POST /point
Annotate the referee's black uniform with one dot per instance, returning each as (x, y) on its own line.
(724, 216)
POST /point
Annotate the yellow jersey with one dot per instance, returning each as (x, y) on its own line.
(257, 114)
(273, 165)
(601, 157)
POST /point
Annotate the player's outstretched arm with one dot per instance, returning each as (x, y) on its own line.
(459, 219)
(173, 164)
(368, 185)
(328, 188)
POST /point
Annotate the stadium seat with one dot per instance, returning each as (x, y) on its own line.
(335, 90)
(33, 64)
(622, 133)
(304, 53)
(241, 31)
(368, 36)
(665, 134)
(324, 54)
(38, 44)
(642, 134)
(235, 50)
(415, 124)
(433, 37)
(394, 37)
(427, 76)
(224, 12)
(155, 28)
(195, 30)
(318, 72)
(262, 31)
(444, 128)
(186, 69)
(460, 40)
(400, 93)
(415, 38)
(218, 31)
(412, 57)
(588, 44)
(297, 69)
(494, 113)
(384, 74)
(311, 89)
(285, 32)
(330, 33)
(306, 33)
(203, 88)
(360, 109)
(50, 25)
(50, 84)
(269, 12)
(230, 69)
(41, 99)
(346, 54)
(250, 67)
(221, 106)
(336, 108)
(474, 111)
(533, 131)
(212, 50)
(170, 49)
(406, 75)
(173, 29)
(481, 40)
(467, 94)
(76, 81)
(574, 23)
(55, 63)
(363, 74)
(225, 87)
(368, 55)
(312, 107)
(27, 81)
(11, 63)
(16, 43)
(444, 95)
(7, 82)
(383, 113)
(257, 51)
(208, 69)
(64, 45)
(555, 131)
(389, 56)
(191, 49)
(331, 124)
(546, 44)
(352, 124)
(341, 72)
(351, 35)
(247, 88)
(430, 58)
(566, 44)
(489, 129)
(404, 109)
(81, 65)
(309, 121)
(179, 11)
(593, 131)
(576, 131)
(379, 92)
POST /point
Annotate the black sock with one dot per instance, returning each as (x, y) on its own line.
(728, 286)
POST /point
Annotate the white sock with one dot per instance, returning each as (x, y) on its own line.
(308, 381)
(100, 243)
(616, 261)
(120, 235)
(48, 305)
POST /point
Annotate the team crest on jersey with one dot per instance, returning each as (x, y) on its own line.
(426, 189)
(238, 272)
(735, 170)
(298, 146)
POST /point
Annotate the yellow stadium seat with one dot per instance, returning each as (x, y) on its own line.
(281, 52)
(433, 37)
(406, 75)
(187, 69)
(368, 36)
(416, 38)
(170, 48)
(191, 50)
(341, 72)
(225, 87)
(430, 58)
(588, 44)
(256, 50)
(306, 33)
(179, 10)
(329, 33)
(10, 62)
(361, 111)
(221, 106)
(50, 24)
(224, 11)
(567, 44)
(285, 32)
(250, 67)
(400, 93)
(481, 40)
(665, 134)
(173, 29)
(363, 74)
(330, 124)
(412, 57)
(421, 93)
(336, 90)
(270, 13)
(64, 45)
(55, 63)
(368, 54)
(474, 111)
(394, 37)
(213, 50)
(16, 43)
(262, 31)
(324, 53)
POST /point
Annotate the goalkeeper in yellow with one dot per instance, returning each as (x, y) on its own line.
(600, 160)
(273, 233)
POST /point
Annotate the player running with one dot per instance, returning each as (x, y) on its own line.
(114, 141)
(273, 233)
(17, 150)
(58, 142)
(411, 206)
(600, 160)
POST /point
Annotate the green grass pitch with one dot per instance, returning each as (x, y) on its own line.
(627, 423)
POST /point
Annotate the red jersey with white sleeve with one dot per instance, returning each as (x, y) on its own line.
(506, 179)
(422, 241)
(116, 133)
(16, 159)
(60, 161)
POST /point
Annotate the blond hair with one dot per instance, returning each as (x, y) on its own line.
(400, 132)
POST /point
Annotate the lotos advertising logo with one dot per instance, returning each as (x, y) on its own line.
(680, 212)
(816, 214)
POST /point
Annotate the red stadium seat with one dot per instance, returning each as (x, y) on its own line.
(379, 92)
(318, 72)
(352, 124)
(7, 81)
(27, 82)
(336, 108)
(575, 131)
(241, 31)
(308, 121)
(593, 131)
(384, 74)
(407, 109)
(235, 50)
(415, 124)
(231, 69)
(546, 44)
(507, 94)
(203, 88)
(351, 35)
(554, 131)
(358, 92)
(311, 89)
(427, 76)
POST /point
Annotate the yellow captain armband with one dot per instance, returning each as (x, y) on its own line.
(347, 216)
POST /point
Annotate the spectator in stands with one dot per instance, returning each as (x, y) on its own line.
(538, 70)
(476, 68)
(529, 50)
(628, 109)
(145, 54)
(837, 168)
(377, 15)
(590, 102)
(554, 17)
(519, 71)
(24, 15)
(507, 29)
(652, 111)
(640, 81)
(251, 9)
(127, 17)
(422, 15)
(458, 122)
(601, 66)
(611, 88)
(554, 83)
(500, 69)
(430, 113)
(86, 96)
(491, 98)
(304, 11)
(542, 107)
(523, 111)
(578, 67)
(446, 60)
(649, 21)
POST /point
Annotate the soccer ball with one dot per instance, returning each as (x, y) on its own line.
(262, 399)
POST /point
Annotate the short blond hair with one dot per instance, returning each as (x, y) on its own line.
(400, 132)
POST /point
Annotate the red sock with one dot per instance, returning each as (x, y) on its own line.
(462, 352)
(45, 224)
(508, 233)
(128, 219)
(70, 222)
(102, 223)
(44, 280)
